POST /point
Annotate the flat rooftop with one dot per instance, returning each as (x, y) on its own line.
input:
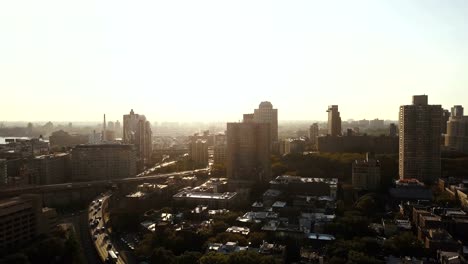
(204, 195)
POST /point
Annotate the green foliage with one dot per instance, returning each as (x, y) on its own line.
(244, 257)
(256, 238)
(214, 258)
(189, 257)
(229, 237)
(367, 205)
(161, 255)
(357, 250)
(352, 224)
(404, 244)
(18, 258)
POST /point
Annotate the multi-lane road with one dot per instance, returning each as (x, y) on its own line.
(99, 231)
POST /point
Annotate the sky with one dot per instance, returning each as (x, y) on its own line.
(215, 60)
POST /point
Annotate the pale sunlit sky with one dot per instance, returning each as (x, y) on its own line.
(215, 60)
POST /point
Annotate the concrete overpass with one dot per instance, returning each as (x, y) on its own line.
(57, 195)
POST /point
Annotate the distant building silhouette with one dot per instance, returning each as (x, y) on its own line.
(137, 131)
(393, 130)
(420, 140)
(198, 150)
(457, 130)
(334, 121)
(313, 134)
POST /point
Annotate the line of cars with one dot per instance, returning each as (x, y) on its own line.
(98, 229)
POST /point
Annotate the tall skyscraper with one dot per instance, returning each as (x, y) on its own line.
(248, 151)
(313, 134)
(137, 131)
(334, 121)
(420, 135)
(198, 150)
(393, 130)
(457, 130)
(267, 114)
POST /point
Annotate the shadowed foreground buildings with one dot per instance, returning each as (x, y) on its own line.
(248, 152)
(22, 219)
(366, 173)
(420, 136)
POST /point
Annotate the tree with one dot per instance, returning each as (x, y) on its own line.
(161, 255)
(214, 258)
(18, 258)
(256, 238)
(367, 205)
(189, 257)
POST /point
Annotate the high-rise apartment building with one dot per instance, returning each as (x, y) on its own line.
(393, 130)
(137, 131)
(267, 114)
(334, 121)
(248, 151)
(457, 130)
(103, 162)
(198, 150)
(366, 173)
(219, 154)
(420, 136)
(444, 120)
(313, 134)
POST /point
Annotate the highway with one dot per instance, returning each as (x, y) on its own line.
(98, 229)
(78, 185)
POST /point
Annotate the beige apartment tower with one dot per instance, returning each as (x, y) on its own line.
(420, 139)
(198, 150)
(137, 131)
(334, 121)
(248, 152)
(267, 114)
(457, 130)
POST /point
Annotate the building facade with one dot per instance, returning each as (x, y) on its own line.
(334, 121)
(64, 139)
(313, 134)
(219, 154)
(267, 114)
(366, 173)
(22, 219)
(137, 131)
(198, 150)
(420, 140)
(457, 130)
(248, 151)
(103, 162)
(393, 131)
(51, 169)
(3, 172)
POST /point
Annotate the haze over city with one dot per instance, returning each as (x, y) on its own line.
(211, 60)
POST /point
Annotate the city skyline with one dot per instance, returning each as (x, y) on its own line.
(209, 61)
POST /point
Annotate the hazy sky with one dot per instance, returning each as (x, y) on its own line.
(215, 60)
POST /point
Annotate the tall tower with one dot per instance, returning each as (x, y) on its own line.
(103, 137)
(248, 151)
(267, 114)
(420, 135)
(457, 130)
(334, 121)
(137, 131)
